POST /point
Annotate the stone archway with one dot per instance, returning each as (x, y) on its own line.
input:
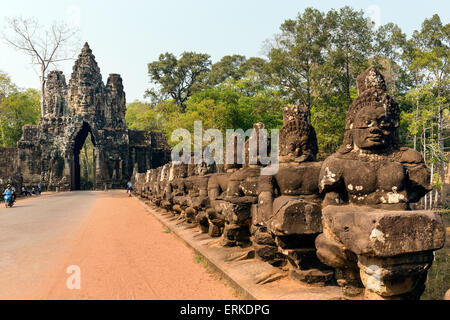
(49, 153)
(78, 142)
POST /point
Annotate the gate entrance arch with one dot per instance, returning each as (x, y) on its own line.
(80, 138)
(49, 153)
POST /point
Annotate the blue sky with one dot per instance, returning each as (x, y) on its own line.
(126, 35)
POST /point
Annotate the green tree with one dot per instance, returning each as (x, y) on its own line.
(178, 78)
(227, 107)
(429, 53)
(16, 110)
(143, 116)
(236, 67)
(328, 119)
(422, 123)
(432, 58)
(229, 67)
(6, 86)
(315, 61)
(350, 46)
(296, 55)
(254, 65)
(389, 44)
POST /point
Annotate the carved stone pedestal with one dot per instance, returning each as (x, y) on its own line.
(389, 251)
(237, 214)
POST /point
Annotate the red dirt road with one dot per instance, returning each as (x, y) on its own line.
(122, 253)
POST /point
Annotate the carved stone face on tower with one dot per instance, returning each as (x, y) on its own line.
(55, 94)
(85, 85)
(85, 96)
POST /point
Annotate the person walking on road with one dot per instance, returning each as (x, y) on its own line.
(129, 188)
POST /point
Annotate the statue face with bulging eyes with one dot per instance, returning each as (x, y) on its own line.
(297, 142)
(297, 147)
(372, 128)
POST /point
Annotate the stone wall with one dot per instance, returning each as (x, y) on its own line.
(148, 149)
(29, 151)
(9, 168)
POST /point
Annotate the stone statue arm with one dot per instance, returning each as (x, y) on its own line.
(203, 187)
(266, 191)
(233, 189)
(213, 188)
(183, 188)
(331, 182)
(168, 191)
(418, 183)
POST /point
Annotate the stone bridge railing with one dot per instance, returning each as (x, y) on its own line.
(345, 221)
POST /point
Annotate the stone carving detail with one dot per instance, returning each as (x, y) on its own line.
(376, 246)
(55, 94)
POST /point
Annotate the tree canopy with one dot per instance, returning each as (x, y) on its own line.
(179, 78)
(18, 107)
(313, 61)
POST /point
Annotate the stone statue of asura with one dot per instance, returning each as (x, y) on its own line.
(380, 247)
(288, 215)
(371, 168)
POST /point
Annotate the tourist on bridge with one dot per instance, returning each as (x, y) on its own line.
(129, 188)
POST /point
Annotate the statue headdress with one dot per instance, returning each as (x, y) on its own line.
(295, 124)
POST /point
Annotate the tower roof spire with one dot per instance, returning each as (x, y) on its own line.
(86, 48)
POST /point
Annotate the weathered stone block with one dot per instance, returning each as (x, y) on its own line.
(234, 234)
(374, 232)
(292, 215)
(264, 238)
(236, 213)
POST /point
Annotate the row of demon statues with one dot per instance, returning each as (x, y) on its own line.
(345, 220)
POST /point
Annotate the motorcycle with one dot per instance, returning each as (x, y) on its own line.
(8, 199)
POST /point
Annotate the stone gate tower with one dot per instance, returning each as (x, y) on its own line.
(49, 152)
